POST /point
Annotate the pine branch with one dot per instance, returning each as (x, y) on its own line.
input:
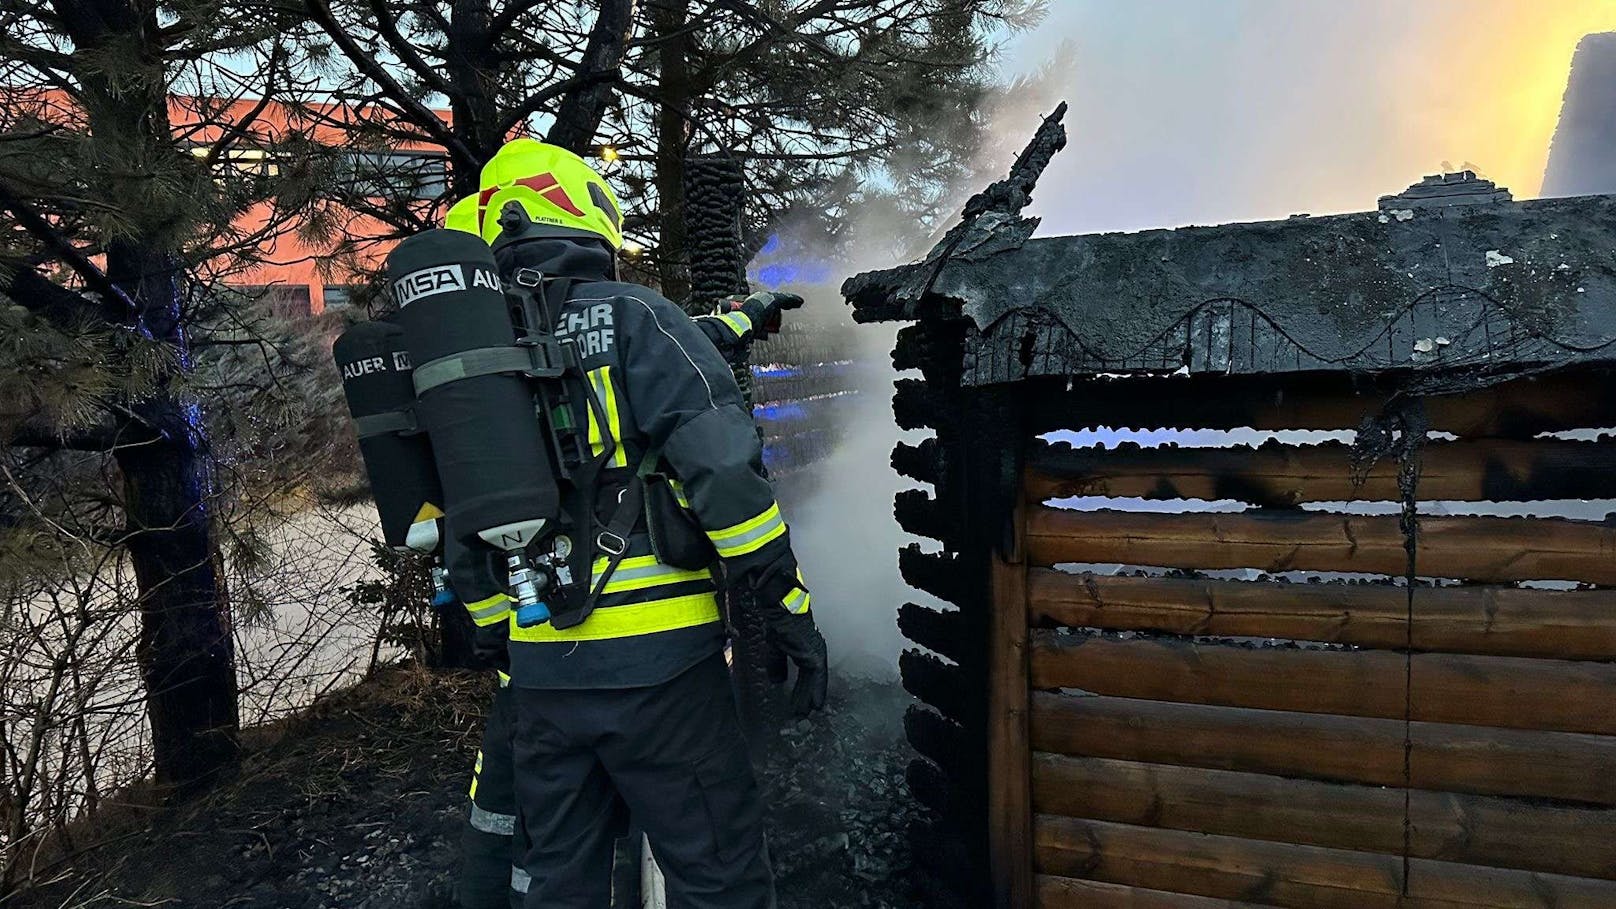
(387, 25)
(40, 229)
(413, 110)
(102, 437)
(580, 112)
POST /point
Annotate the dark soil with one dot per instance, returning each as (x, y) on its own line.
(358, 804)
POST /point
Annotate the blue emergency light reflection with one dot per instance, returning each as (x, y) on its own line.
(774, 412)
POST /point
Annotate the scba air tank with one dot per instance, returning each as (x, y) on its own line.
(471, 397)
(376, 380)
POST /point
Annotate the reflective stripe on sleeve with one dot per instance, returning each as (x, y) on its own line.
(601, 381)
(797, 602)
(476, 774)
(679, 494)
(633, 620)
(749, 536)
(490, 611)
(520, 880)
(738, 322)
(492, 821)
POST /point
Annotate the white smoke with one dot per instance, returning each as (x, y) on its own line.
(844, 532)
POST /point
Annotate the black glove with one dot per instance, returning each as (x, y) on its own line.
(797, 638)
(793, 635)
(491, 645)
(764, 309)
(776, 665)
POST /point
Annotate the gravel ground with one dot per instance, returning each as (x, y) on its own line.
(358, 805)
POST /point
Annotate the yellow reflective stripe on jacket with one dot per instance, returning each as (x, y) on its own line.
(638, 619)
(601, 381)
(679, 493)
(749, 536)
(490, 611)
(738, 322)
(642, 572)
(797, 601)
(476, 772)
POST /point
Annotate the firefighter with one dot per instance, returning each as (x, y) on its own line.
(632, 705)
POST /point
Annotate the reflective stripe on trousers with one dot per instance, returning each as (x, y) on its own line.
(492, 821)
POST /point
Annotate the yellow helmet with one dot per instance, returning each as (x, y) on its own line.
(531, 189)
(463, 215)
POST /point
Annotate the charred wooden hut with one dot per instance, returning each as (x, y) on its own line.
(1312, 701)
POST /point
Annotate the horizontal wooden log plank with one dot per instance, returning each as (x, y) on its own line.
(1055, 892)
(1496, 470)
(1506, 621)
(1517, 409)
(1477, 548)
(1470, 829)
(1553, 765)
(936, 629)
(937, 683)
(1290, 875)
(1508, 692)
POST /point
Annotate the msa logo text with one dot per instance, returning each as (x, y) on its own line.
(441, 279)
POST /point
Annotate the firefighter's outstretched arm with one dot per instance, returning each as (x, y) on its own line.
(738, 321)
(684, 397)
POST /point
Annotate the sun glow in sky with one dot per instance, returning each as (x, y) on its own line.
(1205, 111)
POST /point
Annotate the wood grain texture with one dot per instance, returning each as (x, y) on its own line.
(1504, 621)
(1470, 829)
(1508, 692)
(1553, 765)
(1477, 548)
(1282, 874)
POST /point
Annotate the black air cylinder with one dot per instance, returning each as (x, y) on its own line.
(376, 381)
(490, 449)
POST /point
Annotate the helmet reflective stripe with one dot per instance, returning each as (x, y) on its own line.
(463, 216)
(557, 191)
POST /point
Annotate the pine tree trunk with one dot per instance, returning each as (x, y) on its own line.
(469, 70)
(186, 652)
(668, 21)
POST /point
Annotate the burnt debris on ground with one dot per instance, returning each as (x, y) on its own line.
(358, 804)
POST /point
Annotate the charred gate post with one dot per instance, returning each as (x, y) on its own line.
(1247, 740)
(715, 198)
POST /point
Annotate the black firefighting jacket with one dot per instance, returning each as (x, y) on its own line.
(662, 385)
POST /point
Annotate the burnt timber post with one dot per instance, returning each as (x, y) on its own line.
(972, 773)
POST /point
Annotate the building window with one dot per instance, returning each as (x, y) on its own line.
(288, 301)
(247, 162)
(338, 296)
(416, 175)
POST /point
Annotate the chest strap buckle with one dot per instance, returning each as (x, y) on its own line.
(610, 543)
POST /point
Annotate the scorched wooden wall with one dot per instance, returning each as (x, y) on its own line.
(1174, 735)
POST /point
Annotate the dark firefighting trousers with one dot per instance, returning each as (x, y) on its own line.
(675, 755)
(492, 845)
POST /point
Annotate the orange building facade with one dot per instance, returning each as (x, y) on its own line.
(296, 273)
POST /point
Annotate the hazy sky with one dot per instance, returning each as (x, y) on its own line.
(1204, 111)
